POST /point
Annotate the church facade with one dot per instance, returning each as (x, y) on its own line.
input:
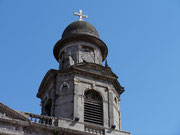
(82, 97)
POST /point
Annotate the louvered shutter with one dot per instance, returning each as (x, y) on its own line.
(93, 107)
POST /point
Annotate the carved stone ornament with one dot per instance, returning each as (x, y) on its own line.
(65, 85)
(93, 96)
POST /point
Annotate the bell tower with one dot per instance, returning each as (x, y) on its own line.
(82, 90)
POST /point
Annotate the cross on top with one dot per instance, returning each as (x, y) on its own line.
(80, 15)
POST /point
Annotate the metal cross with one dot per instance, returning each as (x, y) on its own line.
(80, 15)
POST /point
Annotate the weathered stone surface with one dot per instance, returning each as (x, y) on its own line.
(10, 126)
(70, 86)
(67, 109)
(78, 52)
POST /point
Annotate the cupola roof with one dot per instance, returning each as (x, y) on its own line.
(80, 28)
(80, 31)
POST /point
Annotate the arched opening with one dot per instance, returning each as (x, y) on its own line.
(87, 49)
(48, 107)
(93, 107)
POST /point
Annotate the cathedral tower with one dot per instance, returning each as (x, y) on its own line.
(83, 93)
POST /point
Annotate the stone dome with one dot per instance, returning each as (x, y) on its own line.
(80, 31)
(80, 28)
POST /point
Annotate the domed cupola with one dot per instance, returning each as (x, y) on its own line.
(79, 28)
(80, 42)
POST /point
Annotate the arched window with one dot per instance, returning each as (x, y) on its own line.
(93, 107)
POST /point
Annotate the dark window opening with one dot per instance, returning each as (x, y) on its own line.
(62, 55)
(93, 107)
(115, 99)
(48, 107)
(87, 49)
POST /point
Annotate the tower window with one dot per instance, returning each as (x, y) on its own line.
(62, 55)
(93, 107)
(87, 49)
(48, 107)
(115, 99)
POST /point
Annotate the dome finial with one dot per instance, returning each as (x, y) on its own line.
(80, 15)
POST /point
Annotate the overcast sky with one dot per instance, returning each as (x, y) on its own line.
(143, 38)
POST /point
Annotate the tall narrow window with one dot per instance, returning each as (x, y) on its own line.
(93, 107)
(48, 107)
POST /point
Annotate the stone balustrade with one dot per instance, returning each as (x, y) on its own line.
(64, 123)
(93, 130)
(47, 120)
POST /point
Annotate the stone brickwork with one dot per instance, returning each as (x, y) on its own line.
(77, 52)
